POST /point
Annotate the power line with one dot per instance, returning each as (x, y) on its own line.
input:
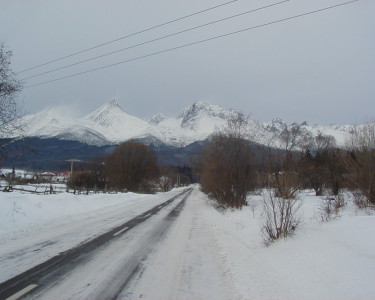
(195, 43)
(129, 35)
(154, 40)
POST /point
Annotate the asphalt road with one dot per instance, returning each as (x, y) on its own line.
(36, 281)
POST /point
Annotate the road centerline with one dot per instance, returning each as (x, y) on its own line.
(65, 261)
(120, 231)
(22, 292)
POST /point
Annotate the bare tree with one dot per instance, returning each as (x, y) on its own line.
(323, 142)
(9, 109)
(361, 163)
(237, 126)
(319, 164)
(227, 168)
(282, 163)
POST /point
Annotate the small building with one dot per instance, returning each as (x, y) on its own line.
(46, 176)
(61, 177)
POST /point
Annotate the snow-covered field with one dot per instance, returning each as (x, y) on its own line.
(334, 260)
(206, 253)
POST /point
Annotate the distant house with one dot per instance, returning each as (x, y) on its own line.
(61, 177)
(30, 176)
(46, 176)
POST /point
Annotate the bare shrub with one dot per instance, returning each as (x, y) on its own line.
(359, 199)
(329, 207)
(339, 201)
(165, 183)
(281, 217)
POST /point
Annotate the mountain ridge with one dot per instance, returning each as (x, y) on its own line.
(110, 124)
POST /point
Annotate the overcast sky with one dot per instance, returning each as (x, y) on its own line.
(318, 68)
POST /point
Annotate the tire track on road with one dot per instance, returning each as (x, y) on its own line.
(59, 265)
(134, 264)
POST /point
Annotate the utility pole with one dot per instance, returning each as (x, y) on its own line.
(72, 161)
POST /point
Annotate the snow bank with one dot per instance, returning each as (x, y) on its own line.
(19, 210)
(333, 260)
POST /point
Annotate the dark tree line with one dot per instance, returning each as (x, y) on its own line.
(131, 167)
(230, 168)
(323, 170)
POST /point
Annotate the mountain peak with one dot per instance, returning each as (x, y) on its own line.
(112, 103)
(50, 115)
(105, 114)
(201, 104)
(204, 107)
(203, 110)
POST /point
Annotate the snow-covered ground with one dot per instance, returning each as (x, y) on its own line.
(219, 255)
(204, 254)
(34, 228)
(333, 260)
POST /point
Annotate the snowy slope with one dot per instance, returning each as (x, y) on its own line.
(110, 124)
(49, 123)
(118, 126)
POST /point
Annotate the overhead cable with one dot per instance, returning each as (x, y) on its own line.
(154, 40)
(195, 43)
(129, 35)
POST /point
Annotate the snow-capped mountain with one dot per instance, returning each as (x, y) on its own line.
(195, 123)
(47, 123)
(193, 116)
(117, 126)
(50, 123)
(110, 124)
